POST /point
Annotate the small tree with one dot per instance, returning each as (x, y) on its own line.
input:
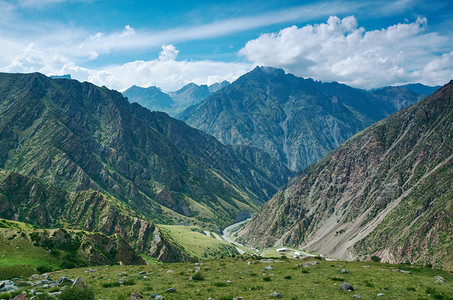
(375, 258)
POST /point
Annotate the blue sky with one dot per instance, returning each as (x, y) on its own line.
(365, 44)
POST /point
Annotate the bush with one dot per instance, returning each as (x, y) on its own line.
(110, 284)
(305, 271)
(43, 269)
(77, 294)
(21, 271)
(219, 284)
(375, 258)
(267, 278)
(287, 277)
(198, 276)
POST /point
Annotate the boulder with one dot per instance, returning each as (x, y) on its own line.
(344, 271)
(63, 279)
(276, 295)
(171, 290)
(78, 283)
(8, 286)
(439, 279)
(135, 295)
(346, 287)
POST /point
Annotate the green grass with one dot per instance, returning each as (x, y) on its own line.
(316, 284)
(196, 243)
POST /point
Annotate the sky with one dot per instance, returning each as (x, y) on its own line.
(365, 44)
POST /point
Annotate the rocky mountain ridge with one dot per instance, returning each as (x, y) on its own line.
(387, 191)
(293, 119)
(78, 136)
(173, 102)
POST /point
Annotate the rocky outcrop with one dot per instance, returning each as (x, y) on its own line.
(387, 191)
(293, 119)
(29, 200)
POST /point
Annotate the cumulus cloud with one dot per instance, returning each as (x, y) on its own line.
(340, 50)
(167, 73)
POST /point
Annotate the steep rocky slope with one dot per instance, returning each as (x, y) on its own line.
(29, 200)
(64, 248)
(387, 191)
(293, 119)
(79, 136)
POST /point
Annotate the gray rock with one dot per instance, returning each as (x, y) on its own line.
(47, 277)
(153, 296)
(439, 279)
(135, 295)
(122, 281)
(344, 271)
(380, 294)
(33, 292)
(346, 287)
(276, 295)
(171, 290)
(90, 271)
(63, 279)
(228, 282)
(402, 271)
(310, 263)
(356, 296)
(54, 293)
(78, 283)
(8, 286)
(159, 297)
(268, 268)
(142, 273)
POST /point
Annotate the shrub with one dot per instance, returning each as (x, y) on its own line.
(21, 271)
(375, 258)
(411, 288)
(368, 283)
(305, 271)
(267, 278)
(77, 294)
(219, 284)
(110, 284)
(129, 282)
(287, 277)
(339, 279)
(198, 276)
(43, 269)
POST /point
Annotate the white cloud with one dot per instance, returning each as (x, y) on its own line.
(340, 50)
(166, 72)
(168, 52)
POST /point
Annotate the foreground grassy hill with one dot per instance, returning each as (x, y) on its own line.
(54, 249)
(244, 277)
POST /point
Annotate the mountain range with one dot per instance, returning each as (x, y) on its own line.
(386, 192)
(80, 137)
(295, 120)
(174, 102)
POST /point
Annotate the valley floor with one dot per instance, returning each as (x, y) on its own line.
(247, 278)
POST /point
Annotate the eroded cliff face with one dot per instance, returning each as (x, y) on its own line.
(29, 200)
(387, 191)
(293, 119)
